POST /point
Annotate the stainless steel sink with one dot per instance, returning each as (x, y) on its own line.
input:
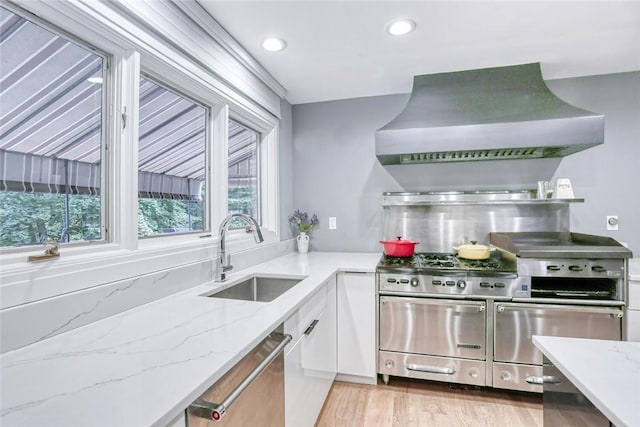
(258, 288)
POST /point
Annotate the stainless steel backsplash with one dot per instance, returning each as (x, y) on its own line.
(439, 227)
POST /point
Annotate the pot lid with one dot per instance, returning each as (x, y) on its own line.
(399, 241)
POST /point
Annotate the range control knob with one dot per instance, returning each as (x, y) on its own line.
(414, 281)
(461, 284)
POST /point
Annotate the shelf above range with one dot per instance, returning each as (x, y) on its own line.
(509, 197)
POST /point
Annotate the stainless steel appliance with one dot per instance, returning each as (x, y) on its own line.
(260, 373)
(449, 319)
(486, 114)
(571, 285)
(433, 312)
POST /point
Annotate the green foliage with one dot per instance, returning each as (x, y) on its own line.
(242, 200)
(157, 215)
(20, 212)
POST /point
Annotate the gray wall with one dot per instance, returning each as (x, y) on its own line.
(337, 174)
(285, 170)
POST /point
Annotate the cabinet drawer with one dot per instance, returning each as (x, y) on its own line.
(311, 309)
(447, 369)
(514, 377)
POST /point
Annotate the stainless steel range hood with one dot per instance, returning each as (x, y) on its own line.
(486, 114)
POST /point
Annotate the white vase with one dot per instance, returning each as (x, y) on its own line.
(303, 242)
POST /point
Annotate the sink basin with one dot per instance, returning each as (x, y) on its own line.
(258, 288)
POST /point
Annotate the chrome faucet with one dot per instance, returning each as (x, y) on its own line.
(223, 263)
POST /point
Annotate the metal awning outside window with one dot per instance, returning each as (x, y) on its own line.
(51, 123)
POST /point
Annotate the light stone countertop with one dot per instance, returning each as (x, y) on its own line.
(606, 372)
(144, 366)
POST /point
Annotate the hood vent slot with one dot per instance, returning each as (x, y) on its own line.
(474, 155)
(498, 113)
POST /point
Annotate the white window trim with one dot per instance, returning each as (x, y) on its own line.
(126, 255)
(123, 184)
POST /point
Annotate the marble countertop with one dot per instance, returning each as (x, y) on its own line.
(144, 366)
(606, 372)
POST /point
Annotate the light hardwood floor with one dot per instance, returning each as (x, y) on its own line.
(406, 402)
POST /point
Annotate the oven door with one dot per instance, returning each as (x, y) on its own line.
(515, 323)
(432, 326)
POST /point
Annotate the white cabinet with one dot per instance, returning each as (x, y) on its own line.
(633, 312)
(310, 361)
(356, 327)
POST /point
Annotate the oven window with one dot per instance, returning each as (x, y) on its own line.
(573, 287)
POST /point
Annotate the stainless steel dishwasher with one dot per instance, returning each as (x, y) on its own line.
(250, 394)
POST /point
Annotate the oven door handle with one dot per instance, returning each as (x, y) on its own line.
(545, 379)
(480, 305)
(500, 308)
(563, 301)
(430, 369)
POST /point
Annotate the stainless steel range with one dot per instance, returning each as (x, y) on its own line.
(449, 319)
(433, 312)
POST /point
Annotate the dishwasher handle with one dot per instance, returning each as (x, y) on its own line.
(215, 411)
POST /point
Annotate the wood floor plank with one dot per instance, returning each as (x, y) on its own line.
(415, 403)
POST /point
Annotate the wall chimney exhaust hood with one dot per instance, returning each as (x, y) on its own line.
(486, 114)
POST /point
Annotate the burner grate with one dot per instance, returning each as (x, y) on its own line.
(445, 262)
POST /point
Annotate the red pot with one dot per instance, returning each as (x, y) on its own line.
(399, 247)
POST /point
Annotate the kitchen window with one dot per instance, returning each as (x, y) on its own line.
(171, 161)
(142, 88)
(244, 183)
(52, 133)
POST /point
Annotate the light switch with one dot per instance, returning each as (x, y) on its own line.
(332, 223)
(612, 222)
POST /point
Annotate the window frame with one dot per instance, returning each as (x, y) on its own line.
(259, 150)
(208, 143)
(132, 49)
(106, 129)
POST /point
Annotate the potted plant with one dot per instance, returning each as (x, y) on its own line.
(304, 224)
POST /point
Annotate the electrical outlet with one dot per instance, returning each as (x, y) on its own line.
(332, 223)
(612, 222)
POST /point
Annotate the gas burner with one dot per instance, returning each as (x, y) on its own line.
(439, 264)
(484, 264)
(399, 262)
(436, 257)
(446, 263)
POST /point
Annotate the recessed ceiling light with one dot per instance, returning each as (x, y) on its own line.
(95, 79)
(274, 44)
(400, 27)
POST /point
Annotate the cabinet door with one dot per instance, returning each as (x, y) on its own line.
(633, 325)
(310, 365)
(356, 324)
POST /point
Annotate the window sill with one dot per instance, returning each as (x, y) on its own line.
(81, 267)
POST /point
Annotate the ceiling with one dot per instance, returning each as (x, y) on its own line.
(339, 49)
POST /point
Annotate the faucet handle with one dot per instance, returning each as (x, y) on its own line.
(227, 263)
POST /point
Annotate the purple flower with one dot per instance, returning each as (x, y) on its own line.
(301, 220)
